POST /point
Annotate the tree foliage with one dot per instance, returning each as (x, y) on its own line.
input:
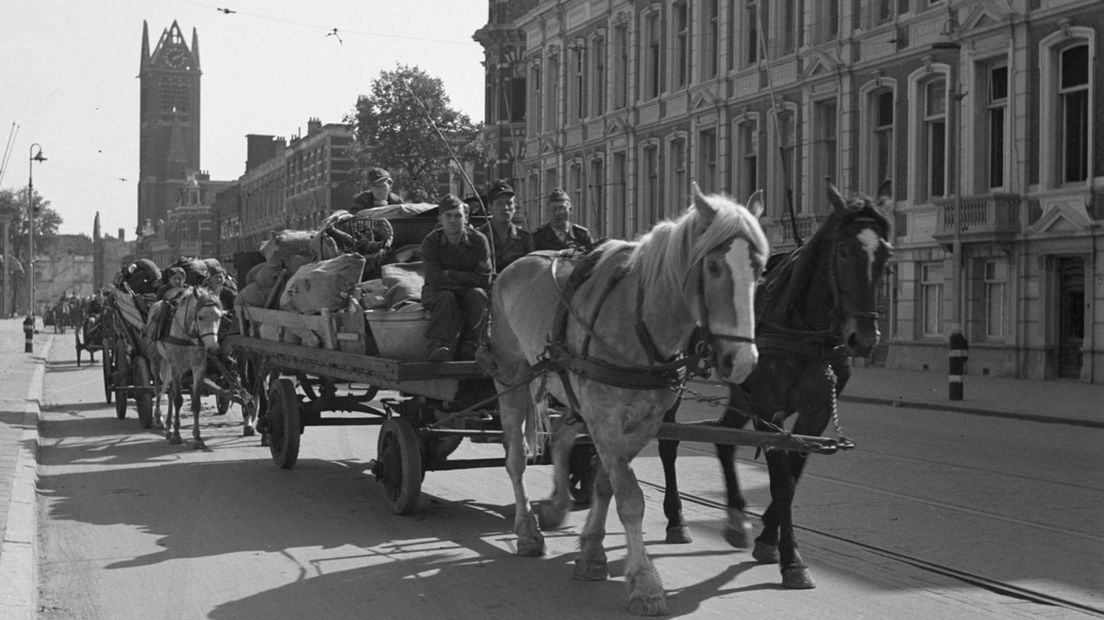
(394, 131)
(13, 205)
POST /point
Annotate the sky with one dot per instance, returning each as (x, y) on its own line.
(68, 82)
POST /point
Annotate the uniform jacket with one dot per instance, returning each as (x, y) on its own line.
(577, 237)
(456, 267)
(517, 244)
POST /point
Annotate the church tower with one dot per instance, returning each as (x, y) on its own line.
(168, 122)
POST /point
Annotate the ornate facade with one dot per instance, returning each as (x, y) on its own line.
(981, 115)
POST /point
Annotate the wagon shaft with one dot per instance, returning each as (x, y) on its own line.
(707, 432)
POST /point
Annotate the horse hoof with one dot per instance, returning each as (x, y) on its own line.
(549, 518)
(199, 445)
(764, 553)
(797, 578)
(739, 536)
(175, 440)
(590, 570)
(248, 431)
(678, 535)
(648, 605)
(530, 548)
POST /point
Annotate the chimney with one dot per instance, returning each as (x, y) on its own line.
(122, 234)
(313, 126)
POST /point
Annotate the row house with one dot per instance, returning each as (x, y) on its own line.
(286, 184)
(980, 115)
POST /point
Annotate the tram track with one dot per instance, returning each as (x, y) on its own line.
(977, 580)
(929, 502)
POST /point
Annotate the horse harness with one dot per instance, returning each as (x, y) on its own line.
(661, 373)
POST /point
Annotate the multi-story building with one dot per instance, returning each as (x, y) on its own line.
(261, 189)
(319, 173)
(981, 115)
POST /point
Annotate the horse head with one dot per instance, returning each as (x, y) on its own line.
(858, 259)
(206, 315)
(735, 252)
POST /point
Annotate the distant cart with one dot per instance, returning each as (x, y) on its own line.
(89, 334)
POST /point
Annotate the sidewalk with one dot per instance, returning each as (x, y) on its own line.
(1063, 402)
(20, 395)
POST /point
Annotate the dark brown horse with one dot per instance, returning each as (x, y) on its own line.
(815, 310)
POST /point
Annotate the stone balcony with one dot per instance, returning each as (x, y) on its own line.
(981, 218)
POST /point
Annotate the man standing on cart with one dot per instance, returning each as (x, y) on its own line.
(457, 261)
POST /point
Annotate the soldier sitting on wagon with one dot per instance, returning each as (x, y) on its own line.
(457, 261)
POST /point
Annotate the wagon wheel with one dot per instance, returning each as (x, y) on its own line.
(143, 397)
(76, 336)
(583, 467)
(399, 468)
(283, 423)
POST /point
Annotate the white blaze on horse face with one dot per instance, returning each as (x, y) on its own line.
(870, 242)
(744, 276)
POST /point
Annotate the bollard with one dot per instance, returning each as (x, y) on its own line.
(959, 351)
(28, 334)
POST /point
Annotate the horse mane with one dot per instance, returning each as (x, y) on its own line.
(787, 283)
(673, 250)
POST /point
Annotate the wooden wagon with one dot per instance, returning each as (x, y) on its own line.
(126, 367)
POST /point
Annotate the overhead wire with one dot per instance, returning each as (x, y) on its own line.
(8, 151)
(327, 30)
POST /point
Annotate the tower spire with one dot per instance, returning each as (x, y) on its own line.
(145, 45)
(195, 48)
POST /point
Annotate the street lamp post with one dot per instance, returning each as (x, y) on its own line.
(35, 155)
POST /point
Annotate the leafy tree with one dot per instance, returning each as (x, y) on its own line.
(393, 130)
(13, 206)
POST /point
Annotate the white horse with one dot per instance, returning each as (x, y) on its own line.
(610, 344)
(193, 334)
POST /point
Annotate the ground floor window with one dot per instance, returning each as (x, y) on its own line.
(931, 298)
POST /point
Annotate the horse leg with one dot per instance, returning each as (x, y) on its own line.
(551, 514)
(737, 527)
(677, 532)
(172, 430)
(646, 595)
(513, 409)
(197, 395)
(591, 565)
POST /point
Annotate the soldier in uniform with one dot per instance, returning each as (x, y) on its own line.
(559, 233)
(457, 260)
(510, 241)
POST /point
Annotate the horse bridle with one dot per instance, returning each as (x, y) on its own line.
(208, 302)
(838, 314)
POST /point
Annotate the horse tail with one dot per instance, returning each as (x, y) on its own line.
(538, 422)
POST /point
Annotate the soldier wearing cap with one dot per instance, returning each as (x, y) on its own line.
(379, 192)
(511, 242)
(559, 233)
(457, 261)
